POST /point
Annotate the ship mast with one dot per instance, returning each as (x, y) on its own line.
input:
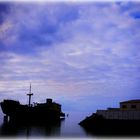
(30, 94)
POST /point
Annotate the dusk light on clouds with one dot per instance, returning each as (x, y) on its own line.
(79, 54)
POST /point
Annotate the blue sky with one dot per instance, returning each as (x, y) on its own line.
(83, 55)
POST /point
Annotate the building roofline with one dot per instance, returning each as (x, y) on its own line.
(131, 101)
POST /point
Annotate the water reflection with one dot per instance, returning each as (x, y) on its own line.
(67, 128)
(38, 129)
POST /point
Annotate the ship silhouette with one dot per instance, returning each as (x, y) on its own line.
(37, 112)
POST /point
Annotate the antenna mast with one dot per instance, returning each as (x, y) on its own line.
(30, 94)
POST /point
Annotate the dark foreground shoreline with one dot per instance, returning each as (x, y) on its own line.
(97, 125)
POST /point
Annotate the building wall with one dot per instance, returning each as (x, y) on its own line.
(130, 106)
(120, 114)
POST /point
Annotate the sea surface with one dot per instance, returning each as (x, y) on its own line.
(66, 128)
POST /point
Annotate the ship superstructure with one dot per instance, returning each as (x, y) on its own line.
(32, 112)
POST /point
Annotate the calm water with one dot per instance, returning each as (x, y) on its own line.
(66, 128)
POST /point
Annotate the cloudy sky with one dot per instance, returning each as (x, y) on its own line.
(83, 55)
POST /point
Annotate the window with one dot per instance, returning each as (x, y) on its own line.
(124, 106)
(133, 106)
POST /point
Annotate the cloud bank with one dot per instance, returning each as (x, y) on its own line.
(72, 52)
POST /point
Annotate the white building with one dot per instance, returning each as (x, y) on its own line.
(129, 110)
